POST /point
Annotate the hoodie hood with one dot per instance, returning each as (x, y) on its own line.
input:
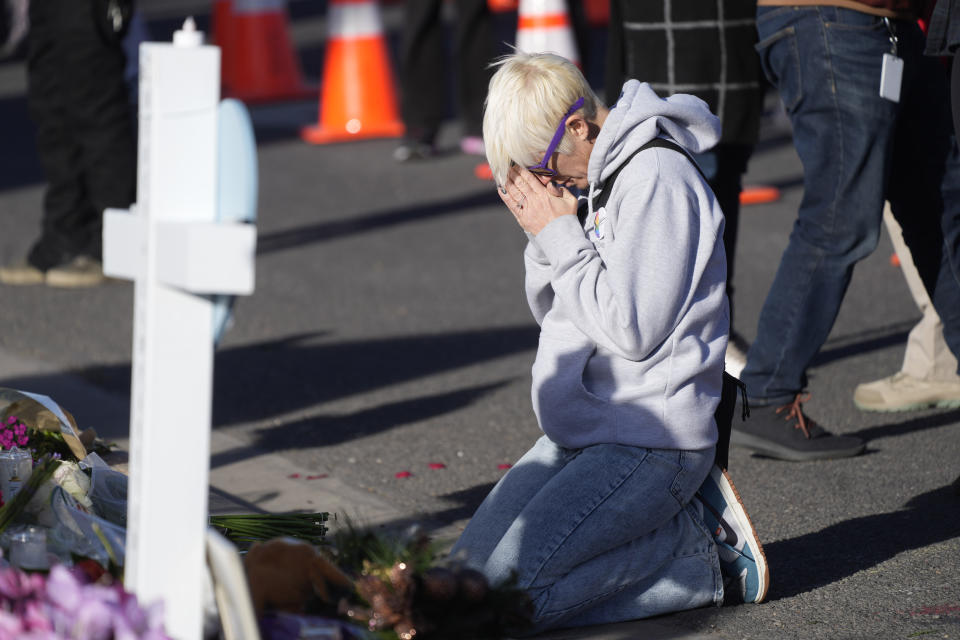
(639, 116)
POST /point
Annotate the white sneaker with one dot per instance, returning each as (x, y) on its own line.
(903, 392)
(736, 358)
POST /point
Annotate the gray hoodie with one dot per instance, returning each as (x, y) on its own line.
(631, 305)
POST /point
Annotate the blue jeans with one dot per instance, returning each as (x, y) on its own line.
(857, 150)
(601, 534)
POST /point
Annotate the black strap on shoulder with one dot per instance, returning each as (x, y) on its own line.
(608, 184)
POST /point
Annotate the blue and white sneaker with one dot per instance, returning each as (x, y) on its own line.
(741, 554)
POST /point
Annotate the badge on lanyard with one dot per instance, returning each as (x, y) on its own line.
(891, 73)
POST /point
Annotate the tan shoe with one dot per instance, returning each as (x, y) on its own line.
(81, 271)
(903, 392)
(21, 273)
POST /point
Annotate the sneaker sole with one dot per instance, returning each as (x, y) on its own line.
(21, 280)
(73, 280)
(913, 406)
(732, 496)
(780, 452)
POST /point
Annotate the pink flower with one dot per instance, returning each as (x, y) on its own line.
(10, 626)
(11, 419)
(15, 585)
(36, 617)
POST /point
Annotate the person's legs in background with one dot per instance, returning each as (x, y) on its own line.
(825, 62)
(423, 86)
(928, 376)
(924, 183)
(473, 52)
(85, 140)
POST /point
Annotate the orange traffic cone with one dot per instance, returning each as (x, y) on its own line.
(543, 25)
(359, 99)
(258, 60)
(759, 195)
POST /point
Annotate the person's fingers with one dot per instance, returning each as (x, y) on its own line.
(510, 202)
(513, 190)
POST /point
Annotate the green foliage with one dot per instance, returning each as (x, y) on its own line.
(245, 529)
(42, 472)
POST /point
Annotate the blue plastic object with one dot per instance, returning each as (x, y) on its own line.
(236, 187)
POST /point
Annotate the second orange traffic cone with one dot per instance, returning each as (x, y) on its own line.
(544, 26)
(359, 98)
(259, 62)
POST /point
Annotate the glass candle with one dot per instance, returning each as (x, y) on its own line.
(15, 469)
(28, 549)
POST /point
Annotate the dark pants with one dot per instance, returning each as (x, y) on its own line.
(85, 139)
(424, 67)
(857, 150)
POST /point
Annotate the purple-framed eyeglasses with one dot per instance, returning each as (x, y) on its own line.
(542, 169)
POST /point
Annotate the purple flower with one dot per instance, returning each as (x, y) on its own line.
(11, 419)
(65, 606)
(10, 625)
(36, 617)
(64, 589)
(15, 585)
(95, 620)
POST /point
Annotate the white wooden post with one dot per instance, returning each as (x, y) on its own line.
(171, 246)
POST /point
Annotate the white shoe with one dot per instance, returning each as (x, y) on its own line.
(736, 358)
(903, 392)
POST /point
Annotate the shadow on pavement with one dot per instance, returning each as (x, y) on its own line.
(909, 426)
(816, 559)
(327, 430)
(260, 381)
(324, 231)
(863, 342)
(465, 503)
(273, 378)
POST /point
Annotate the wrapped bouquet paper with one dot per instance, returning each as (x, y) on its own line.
(43, 414)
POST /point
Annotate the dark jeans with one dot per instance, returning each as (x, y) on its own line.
(85, 140)
(424, 66)
(857, 150)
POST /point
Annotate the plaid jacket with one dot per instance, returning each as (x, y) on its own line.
(703, 47)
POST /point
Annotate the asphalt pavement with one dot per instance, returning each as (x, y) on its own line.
(389, 333)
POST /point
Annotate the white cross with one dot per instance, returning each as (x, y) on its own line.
(175, 251)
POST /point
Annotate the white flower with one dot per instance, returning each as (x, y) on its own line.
(74, 481)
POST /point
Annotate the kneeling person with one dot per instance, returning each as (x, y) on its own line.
(618, 511)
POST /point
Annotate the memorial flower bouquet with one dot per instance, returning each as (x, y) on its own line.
(66, 605)
(13, 433)
(398, 588)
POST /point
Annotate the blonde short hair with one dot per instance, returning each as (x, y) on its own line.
(528, 95)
